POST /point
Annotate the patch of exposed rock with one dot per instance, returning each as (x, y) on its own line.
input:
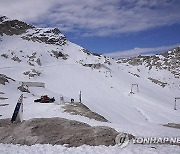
(32, 59)
(4, 79)
(169, 60)
(80, 109)
(4, 55)
(90, 53)
(59, 54)
(3, 98)
(55, 131)
(38, 61)
(32, 73)
(15, 58)
(86, 51)
(12, 27)
(134, 74)
(49, 36)
(23, 88)
(172, 125)
(162, 84)
(95, 66)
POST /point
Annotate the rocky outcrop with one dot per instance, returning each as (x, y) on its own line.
(48, 36)
(172, 125)
(93, 66)
(23, 88)
(169, 60)
(12, 27)
(4, 55)
(38, 61)
(15, 58)
(160, 83)
(16, 27)
(96, 66)
(32, 73)
(4, 79)
(59, 54)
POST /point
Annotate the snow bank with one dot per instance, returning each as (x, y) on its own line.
(49, 149)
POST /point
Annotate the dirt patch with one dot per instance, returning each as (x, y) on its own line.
(81, 109)
(55, 131)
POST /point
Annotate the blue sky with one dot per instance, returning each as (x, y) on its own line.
(153, 38)
(102, 26)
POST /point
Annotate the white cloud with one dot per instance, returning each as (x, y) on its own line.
(95, 17)
(24, 9)
(140, 51)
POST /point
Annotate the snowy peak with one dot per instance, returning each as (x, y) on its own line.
(24, 45)
(29, 32)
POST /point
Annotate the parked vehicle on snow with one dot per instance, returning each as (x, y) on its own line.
(45, 99)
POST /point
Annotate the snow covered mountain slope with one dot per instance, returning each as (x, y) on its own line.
(45, 55)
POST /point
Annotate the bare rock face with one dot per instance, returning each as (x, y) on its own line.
(55, 131)
(12, 27)
(16, 27)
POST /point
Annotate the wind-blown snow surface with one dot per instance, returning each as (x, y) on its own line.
(49, 149)
(105, 90)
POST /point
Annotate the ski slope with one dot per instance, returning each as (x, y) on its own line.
(105, 90)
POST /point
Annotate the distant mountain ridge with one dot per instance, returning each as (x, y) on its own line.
(169, 60)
